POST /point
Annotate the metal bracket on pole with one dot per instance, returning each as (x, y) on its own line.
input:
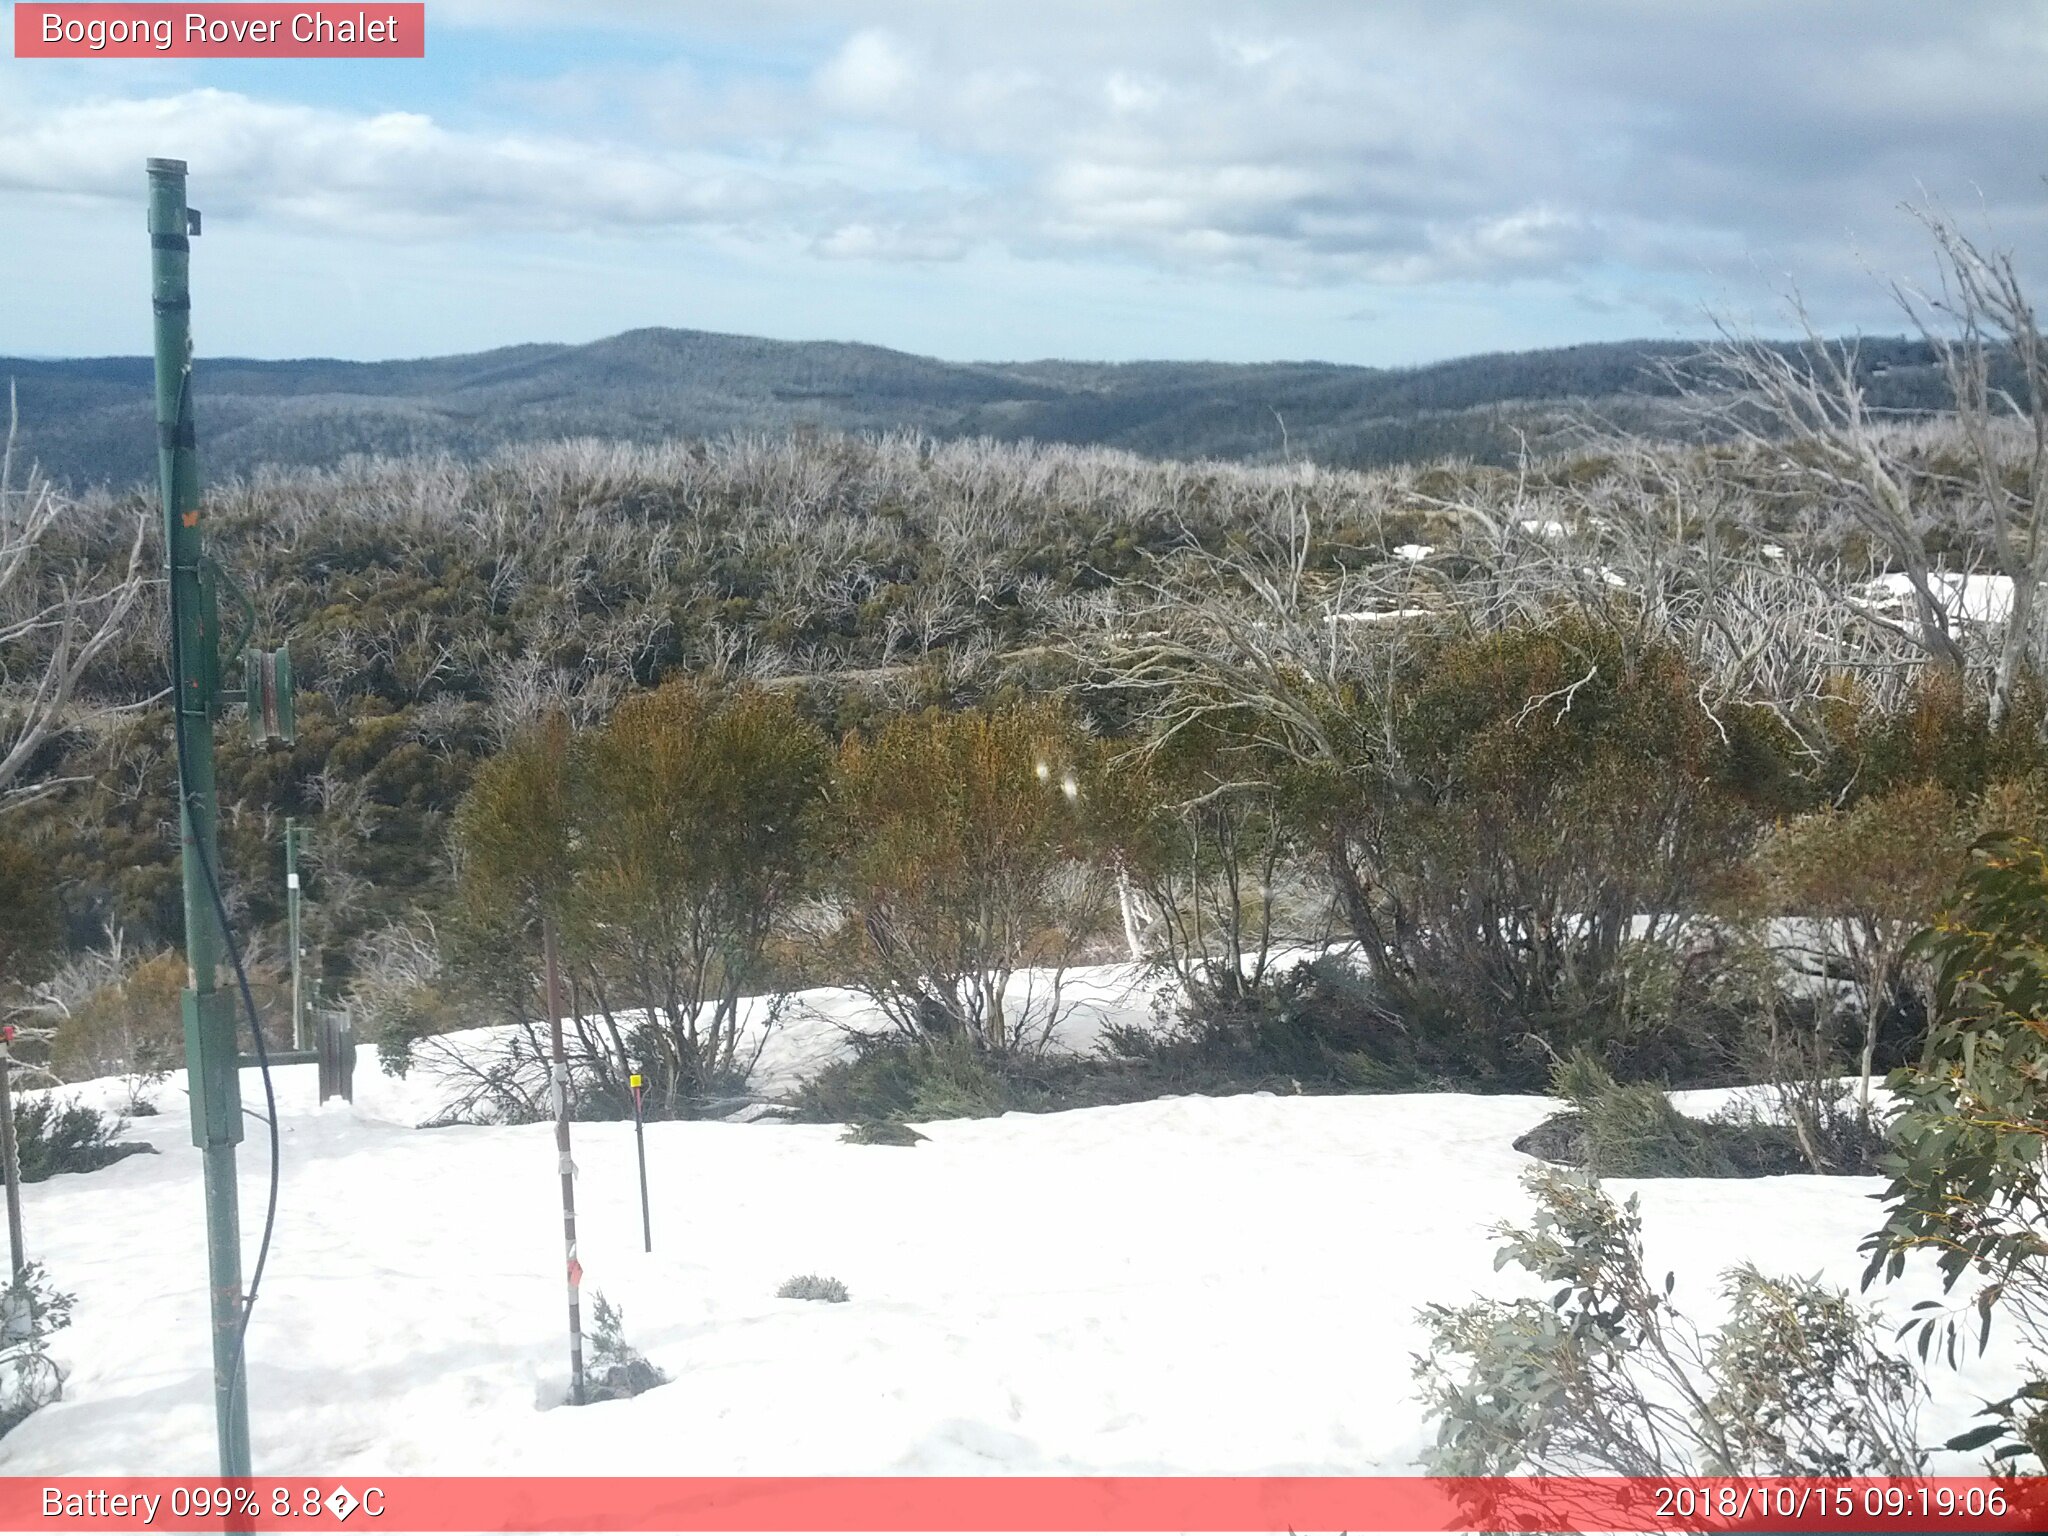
(267, 678)
(216, 1089)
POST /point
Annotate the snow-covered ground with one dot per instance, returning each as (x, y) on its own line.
(1974, 598)
(1191, 1285)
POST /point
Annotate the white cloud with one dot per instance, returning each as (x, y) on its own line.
(867, 242)
(869, 74)
(1128, 92)
(393, 172)
(1398, 143)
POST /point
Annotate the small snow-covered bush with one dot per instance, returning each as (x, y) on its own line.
(64, 1136)
(1605, 1376)
(812, 1288)
(888, 1078)
(135, 1090)
(1308, 1029)
(30, 1311)
(1632, 1130)
(1317, 1026)
(882, 1133)
(616, 1369)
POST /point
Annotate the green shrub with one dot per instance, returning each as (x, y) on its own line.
(967, 855)
(1967, 1174)
(1217, 862)
(64, 1136)
(1317, 1026)
(1606, 1376)
(29, 930)
(1870, 877)
(30, 1311)
(665, 849)
(1502, 810)
(615, 1369)
(1313, 1029)
(1634, 1130)
(694, 816)
(130, 1023)
(897, 1080)
(882, 1133)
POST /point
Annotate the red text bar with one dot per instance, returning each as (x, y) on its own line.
(216, 31)
(1008, 1504)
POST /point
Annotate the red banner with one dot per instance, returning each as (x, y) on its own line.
(215, 31)
(1051, 1504)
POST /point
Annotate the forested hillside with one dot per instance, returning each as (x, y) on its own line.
(736, 705)
(435, 608)
(88, 421)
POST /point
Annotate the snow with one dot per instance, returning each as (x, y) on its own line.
(1413, 552)
(1380, 615)
(1189, 1285)
(1974, 598)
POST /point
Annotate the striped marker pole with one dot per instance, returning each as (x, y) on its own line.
(560, 1077)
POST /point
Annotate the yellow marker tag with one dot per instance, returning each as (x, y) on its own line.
(634, 1080)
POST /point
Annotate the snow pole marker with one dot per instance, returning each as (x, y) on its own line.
(560, 1083)
(291, 897)
(10, 1155)
(640, 1144)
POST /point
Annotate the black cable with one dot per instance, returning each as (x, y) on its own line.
(234, 951)
(269, 1103)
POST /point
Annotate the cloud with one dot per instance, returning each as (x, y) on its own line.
(1395, 144)
(402, 173)
(869, 74)
(866, 242)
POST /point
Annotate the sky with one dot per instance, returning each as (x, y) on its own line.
(1360, 181)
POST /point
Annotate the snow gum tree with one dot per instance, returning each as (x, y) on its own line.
(695, 815)
(965, 855)
(1868, 878)
(1214, 869)
(666, 846)
(514, 841)
(1511, 812)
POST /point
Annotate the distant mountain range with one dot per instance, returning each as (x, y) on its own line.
(89, 420)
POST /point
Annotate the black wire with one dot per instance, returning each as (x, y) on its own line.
(269, 1102)
(234, 952)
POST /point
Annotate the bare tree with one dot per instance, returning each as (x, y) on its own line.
(1806, 410)
(58, 615)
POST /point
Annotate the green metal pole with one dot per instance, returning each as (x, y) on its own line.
(291, 902)
(210, 1055)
